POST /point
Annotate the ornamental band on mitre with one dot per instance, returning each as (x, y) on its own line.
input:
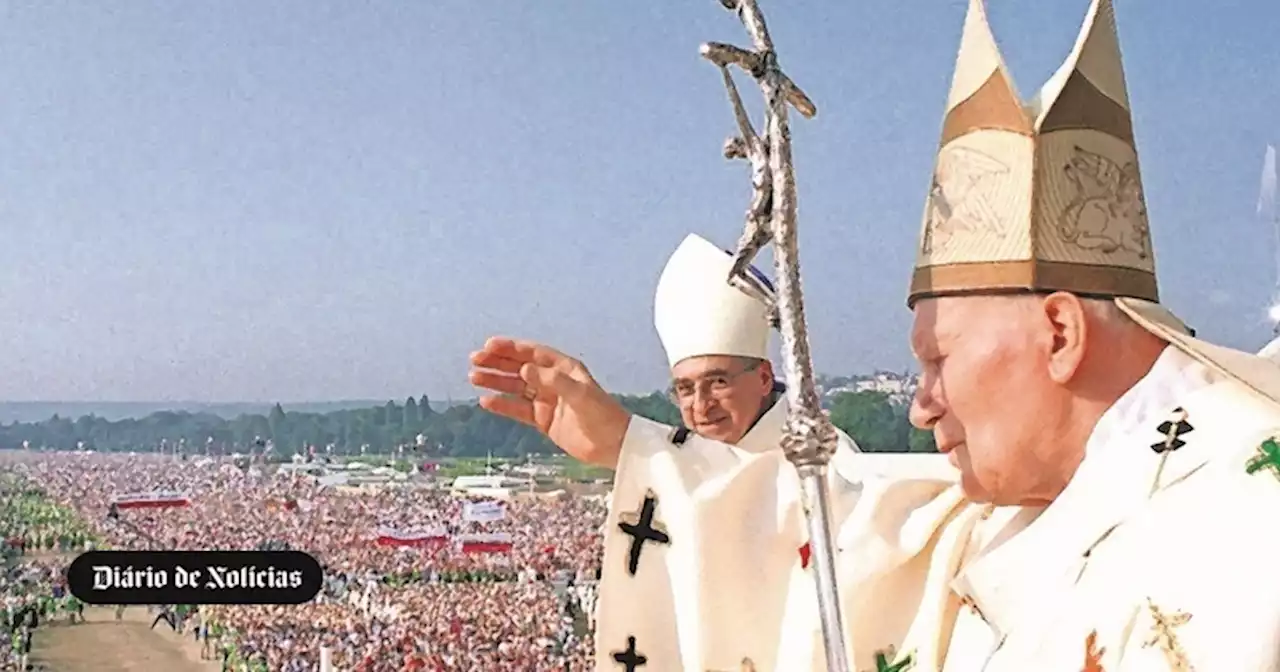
(698, 312)
(1042, 196)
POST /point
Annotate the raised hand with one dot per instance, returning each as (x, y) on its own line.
(554, 393)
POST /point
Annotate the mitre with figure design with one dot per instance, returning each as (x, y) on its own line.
(1043, 195)
(1046, 196)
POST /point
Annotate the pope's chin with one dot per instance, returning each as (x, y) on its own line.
(973, 490)
(969, 483)
(985, 490)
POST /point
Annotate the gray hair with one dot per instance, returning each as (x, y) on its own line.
(1103, 313)
(1106, 313)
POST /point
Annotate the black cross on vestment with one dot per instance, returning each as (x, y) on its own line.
(630, 659)
(642, 530)
(1173, 429)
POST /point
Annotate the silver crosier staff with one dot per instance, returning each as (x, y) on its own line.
(810, 439)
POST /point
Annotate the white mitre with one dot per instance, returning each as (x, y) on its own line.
(1045, 195)
(698, 312)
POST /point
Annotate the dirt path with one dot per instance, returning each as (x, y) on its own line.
(103, 645)
(47, 557)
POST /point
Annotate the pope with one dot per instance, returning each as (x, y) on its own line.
(1104, 466)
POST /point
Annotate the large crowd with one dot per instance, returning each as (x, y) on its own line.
(34, 533)
(384, 607)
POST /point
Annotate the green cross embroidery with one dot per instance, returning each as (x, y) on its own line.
(902, 665)
(1268, 457)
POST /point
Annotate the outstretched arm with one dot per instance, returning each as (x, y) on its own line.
(553, 393)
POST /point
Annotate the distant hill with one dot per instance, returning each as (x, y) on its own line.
(867, 410)
(347, 427)
(380, 428)
(37, 411)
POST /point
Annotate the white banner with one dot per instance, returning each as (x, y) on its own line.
(412, 534)
(485, 538)
(333, 479)
(150, 499)
(484, 512)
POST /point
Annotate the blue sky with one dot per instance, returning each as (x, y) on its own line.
(306, 199)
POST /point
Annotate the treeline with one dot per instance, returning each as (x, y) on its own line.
(459, 431)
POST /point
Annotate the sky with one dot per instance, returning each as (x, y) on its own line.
(295, 200)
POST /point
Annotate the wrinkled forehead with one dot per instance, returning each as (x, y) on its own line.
(944, 322)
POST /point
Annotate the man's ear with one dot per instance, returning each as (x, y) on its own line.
(1064, 315)
(766, 374)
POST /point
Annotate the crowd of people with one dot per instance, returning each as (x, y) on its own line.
(35, 535)
(384, 607)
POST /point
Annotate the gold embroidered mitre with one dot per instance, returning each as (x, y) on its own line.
(1041, 196)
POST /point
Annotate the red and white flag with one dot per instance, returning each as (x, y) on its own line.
(151, 500)
(492, 542)
(416, 537)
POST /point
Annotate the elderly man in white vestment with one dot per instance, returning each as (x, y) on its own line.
(692, 570)
(1119, 476)
(1117, 456)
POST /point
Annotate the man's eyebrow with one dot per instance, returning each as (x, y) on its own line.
(705, 374)
(940, 337)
